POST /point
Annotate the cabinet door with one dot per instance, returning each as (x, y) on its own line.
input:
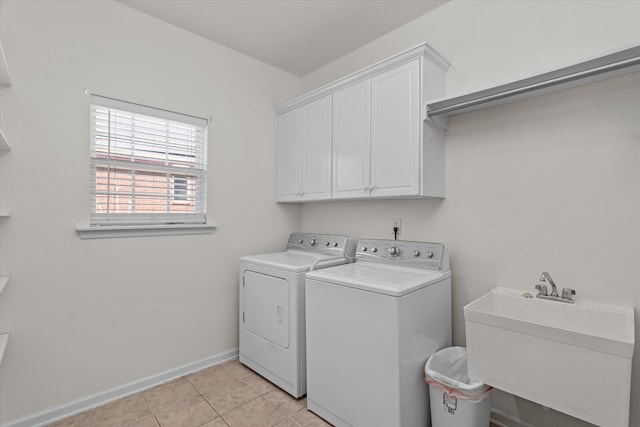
(289, 156)
(315, 164)
(395, 132)
(351, 141)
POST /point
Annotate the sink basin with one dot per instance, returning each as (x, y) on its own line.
(575, 358)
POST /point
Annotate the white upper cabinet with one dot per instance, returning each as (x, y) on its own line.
(395, 132)
(370, 126)
(304, 152)
(352, 141)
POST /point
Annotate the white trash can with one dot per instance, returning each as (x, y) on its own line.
(455, 399)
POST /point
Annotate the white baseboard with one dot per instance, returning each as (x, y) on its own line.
(502, 419)
(99, 399)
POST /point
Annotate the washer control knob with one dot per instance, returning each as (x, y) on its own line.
(394, 251)
(326, 243)
(363, 249)
(301, 241)
(335, 244)
(429, 254)
(312, 242)
(374, 250)
(416, 253)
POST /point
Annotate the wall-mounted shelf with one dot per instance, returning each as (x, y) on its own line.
(4, 144)
(5, 78)
(4, 280)
(600, 68)
(4, 147)
(4, 339)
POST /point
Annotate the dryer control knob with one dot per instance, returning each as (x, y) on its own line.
(301, 241)
(394, 251)
(416, 253)
(326, 243)
(363, 249)
(312, 242)
(335, 244)
(374, 250)
(429, 254)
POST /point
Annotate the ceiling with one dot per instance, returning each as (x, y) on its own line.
(297, 36)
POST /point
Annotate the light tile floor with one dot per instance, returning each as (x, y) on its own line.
(224, 395)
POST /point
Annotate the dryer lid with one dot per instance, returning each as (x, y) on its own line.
(296, 261)
(380, 278)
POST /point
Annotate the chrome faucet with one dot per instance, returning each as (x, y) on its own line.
(546, 277)
(567, 293)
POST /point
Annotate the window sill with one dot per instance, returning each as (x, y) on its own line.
(115, 231)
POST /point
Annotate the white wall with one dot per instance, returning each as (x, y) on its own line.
(550, 183)
(89, 315)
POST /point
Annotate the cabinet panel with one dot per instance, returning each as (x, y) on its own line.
(288, 156)
(395, 132)
(315, 162)
(304, 152)
(351, 141)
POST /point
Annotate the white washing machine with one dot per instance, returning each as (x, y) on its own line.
(272, 318)
(371, 326)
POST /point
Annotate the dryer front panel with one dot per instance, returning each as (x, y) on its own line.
(266, 307)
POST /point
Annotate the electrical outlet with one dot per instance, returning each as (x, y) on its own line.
(397, 224)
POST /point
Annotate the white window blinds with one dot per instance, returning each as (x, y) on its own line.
(148, 166)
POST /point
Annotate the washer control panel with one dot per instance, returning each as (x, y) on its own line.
(324, 243)
(432, 256)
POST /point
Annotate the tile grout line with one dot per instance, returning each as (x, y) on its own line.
(208, 403)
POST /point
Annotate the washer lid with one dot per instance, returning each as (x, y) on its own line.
(380, 278)
(295, 261)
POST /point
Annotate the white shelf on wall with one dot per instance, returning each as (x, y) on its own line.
(5, 77)
(4, 147)
(4, 144)
(5, 81)
(603, 67)
(4, 339)
(4, 280)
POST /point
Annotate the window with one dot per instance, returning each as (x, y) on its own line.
(148, 166)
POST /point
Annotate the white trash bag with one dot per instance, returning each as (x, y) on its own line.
(456, 399)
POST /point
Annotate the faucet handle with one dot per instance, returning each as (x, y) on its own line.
(567, 293)
(542, 289)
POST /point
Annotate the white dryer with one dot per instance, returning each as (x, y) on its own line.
(371, 326)
(272, 318)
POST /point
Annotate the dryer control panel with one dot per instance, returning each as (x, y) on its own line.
(322, 243)
(431, 256)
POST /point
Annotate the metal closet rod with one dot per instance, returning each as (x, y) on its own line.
(611, 65)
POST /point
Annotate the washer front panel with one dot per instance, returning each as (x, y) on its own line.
(366, 352)
(266, 307)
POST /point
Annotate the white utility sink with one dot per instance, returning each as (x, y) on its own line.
(575, 358)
